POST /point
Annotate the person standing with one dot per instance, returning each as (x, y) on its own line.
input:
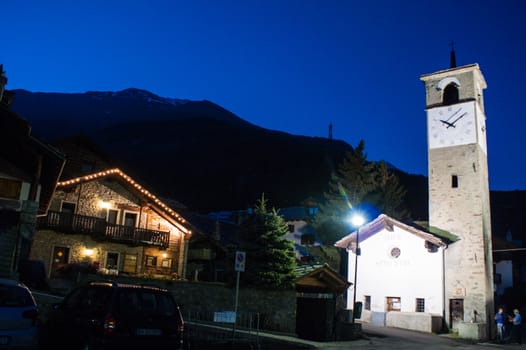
(516, 320)
(499, 319)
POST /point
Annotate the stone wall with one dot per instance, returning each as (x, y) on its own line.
(45, 240)
(416, 321)
(277, 309)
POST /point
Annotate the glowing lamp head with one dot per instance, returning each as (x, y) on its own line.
(356, 219)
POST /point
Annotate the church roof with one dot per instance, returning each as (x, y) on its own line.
(385, 222)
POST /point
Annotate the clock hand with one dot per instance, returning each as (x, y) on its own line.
(456, 120)
(452, 115)
(447, 124)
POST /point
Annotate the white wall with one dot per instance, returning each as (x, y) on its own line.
(416, 273)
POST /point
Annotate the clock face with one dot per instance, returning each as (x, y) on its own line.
(451, 125)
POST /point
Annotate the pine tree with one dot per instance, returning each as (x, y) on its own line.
(358, 182)
(389, 194)
(270, 258)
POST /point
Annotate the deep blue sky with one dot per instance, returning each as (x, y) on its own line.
(289, 65)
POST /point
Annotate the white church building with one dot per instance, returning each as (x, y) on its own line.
(400, 274)
(440, 276)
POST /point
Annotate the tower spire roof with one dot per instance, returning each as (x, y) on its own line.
(452, 56)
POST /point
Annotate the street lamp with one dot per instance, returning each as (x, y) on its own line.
(357, 220)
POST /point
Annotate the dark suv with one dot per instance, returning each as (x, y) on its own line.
(109, 315)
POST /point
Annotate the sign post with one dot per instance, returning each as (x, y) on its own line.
(239, 266)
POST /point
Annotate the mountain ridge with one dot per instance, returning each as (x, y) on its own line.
(205, 156)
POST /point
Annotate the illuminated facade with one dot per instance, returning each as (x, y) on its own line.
(108, 222)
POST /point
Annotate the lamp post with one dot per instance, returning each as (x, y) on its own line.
(357, 220)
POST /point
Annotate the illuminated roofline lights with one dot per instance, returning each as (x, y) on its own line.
(117, 171)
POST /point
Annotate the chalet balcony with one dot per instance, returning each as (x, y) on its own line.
(99, 229)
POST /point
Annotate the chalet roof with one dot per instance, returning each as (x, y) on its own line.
(28, 155)
(159, 206)
(322, 279)
(385, 222)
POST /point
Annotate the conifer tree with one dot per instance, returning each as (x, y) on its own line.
(270, 258)
(356, 182)
(389, 194)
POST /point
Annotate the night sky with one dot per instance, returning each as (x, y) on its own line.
(293, 66)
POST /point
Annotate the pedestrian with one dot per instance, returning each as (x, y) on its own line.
(499, 319)
(516, 320)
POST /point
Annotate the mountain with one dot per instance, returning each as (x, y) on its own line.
(210, 159)
(194, 151)
(54, 115)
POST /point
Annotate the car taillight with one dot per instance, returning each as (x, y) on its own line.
(180, 328)
(109, 324)
(32, 315)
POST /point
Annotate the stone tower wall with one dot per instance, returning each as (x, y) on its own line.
(463, 210)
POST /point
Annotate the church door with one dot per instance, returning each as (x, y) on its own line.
(456, 312)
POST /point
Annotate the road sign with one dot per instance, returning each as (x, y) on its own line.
(240, 262)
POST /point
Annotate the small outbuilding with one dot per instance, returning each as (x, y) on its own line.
(320, 293)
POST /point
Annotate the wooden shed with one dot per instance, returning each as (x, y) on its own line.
(319, 294)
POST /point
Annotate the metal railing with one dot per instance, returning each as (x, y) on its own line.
(205, 323)
(100, 229)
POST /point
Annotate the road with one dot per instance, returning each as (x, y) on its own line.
(376, 337)
(392, 338)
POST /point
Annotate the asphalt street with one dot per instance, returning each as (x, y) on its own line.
(376, 337)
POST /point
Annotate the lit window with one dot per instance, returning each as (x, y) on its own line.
(151, 260)
(394, 304)
(10, 188)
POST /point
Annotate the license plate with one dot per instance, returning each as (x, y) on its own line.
(148, 331)
(4, 340)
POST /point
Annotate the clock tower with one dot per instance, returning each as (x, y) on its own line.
(459, 193)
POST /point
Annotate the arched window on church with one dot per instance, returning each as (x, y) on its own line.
(450, 94)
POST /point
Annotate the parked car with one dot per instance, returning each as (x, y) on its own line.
(110, 315)
(19, 319)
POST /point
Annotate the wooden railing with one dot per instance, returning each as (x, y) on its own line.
(100, 229)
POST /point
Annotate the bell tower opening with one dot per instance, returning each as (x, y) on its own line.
(450, 94)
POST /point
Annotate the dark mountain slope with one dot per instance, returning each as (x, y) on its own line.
(210, 159)
(55, 115)
(194, 151)
(211, 164)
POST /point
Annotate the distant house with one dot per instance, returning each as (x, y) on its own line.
(399, 274)
(211, 248)
(29, 171)
(301, 232)
(109, 221)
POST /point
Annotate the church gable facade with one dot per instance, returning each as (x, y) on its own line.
(399, 275)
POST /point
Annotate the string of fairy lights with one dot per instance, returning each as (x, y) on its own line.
(138, 187)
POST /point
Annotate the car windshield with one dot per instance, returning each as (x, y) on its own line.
(137, 301)
(14, 296)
